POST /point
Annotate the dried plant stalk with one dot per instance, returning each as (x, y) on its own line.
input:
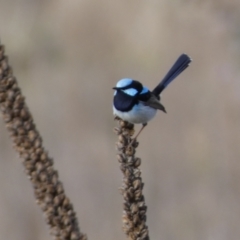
(134, 208)
(49, 192)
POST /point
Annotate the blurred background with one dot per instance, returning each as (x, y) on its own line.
(67, 56)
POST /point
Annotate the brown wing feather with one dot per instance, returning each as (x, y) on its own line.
(154, 103)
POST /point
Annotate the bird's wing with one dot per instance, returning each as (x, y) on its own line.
(154, 103)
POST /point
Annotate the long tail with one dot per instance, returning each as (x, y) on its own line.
(179, 66)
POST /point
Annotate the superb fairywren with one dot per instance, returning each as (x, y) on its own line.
(134, 103)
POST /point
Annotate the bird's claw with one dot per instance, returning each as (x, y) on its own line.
(116, 118)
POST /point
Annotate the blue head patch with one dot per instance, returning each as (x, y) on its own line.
(124, 82)
(130, 87)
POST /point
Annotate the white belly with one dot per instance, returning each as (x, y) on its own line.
(139, 114)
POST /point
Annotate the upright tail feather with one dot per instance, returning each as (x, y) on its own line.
(179, 66)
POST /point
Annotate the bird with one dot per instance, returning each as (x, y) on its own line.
(135, 103)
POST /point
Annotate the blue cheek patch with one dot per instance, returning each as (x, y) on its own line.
(124, 82)
(131, 91)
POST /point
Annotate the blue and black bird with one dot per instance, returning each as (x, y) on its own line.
(134, 103)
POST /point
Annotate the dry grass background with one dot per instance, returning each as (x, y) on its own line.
(67, 55)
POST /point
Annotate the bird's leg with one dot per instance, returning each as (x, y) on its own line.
(135, 138)
(143, 126)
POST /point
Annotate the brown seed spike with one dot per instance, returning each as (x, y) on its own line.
(134, 213)
(48, 189)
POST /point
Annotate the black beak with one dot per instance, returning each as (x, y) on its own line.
(115, 88)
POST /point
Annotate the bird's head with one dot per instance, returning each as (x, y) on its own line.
(130, 87)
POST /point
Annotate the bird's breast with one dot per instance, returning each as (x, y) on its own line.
(124, 102)
(139, 113)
